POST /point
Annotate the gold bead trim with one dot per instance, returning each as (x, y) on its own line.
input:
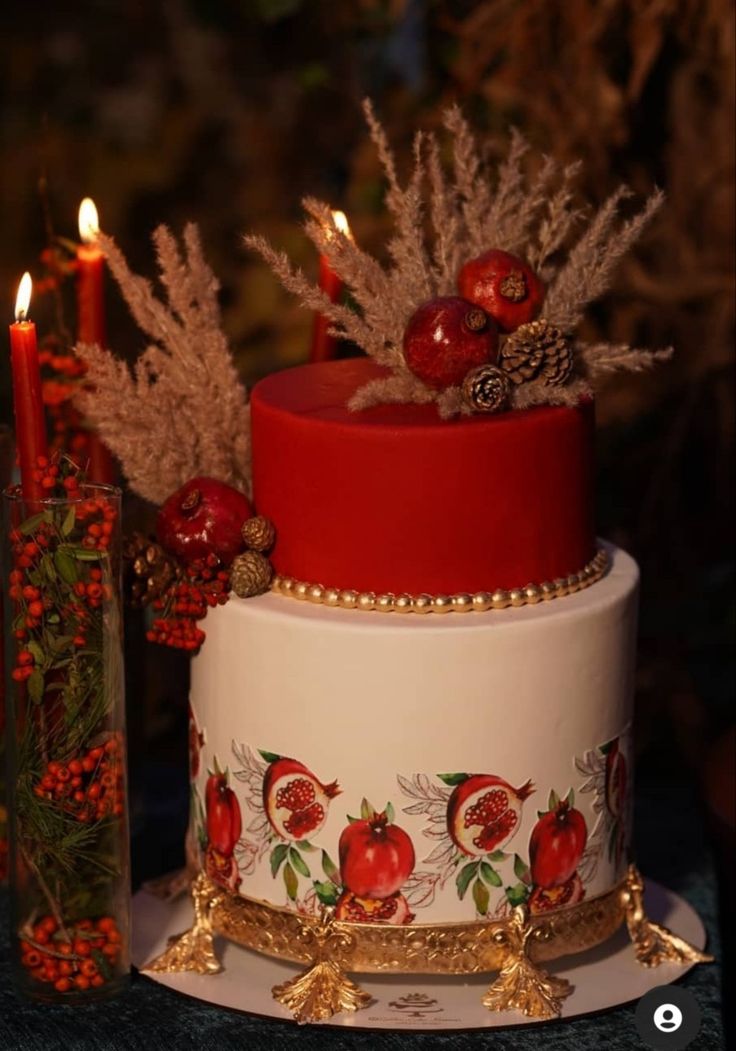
(443, 948)
(480, 602)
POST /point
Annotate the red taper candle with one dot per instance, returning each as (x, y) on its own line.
(323, 344)
(30, 423)
(91, 319)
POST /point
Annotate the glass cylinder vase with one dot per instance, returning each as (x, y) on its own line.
(69, 846)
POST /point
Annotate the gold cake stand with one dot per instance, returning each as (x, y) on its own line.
(515, 946)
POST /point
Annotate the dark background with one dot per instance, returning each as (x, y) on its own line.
(228, 113)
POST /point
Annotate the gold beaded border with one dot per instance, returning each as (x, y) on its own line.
(441, 948)
(480, 602)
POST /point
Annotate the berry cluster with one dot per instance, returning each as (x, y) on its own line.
(72, 959)
(55, 473)
(205, 583)
(90, 786)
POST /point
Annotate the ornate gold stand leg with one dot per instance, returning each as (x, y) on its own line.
(323, 990)
(194, 949)
(653, 943)
(522, 985)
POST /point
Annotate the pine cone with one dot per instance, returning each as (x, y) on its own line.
(149, 570)
(259, 533)
(250, 574)
(486, 388)
(537, 349)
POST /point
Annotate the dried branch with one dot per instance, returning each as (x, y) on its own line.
(589, 268)
(532, 217)
(602, 358)
(182, 411)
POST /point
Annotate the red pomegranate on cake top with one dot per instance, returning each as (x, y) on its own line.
(296, 802)
(484, 812)
(557, 843)
(504, 286)
(376, 856)
(204, 517)
(394, 909)
(447, 337)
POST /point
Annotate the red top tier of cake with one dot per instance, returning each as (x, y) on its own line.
(394, 499)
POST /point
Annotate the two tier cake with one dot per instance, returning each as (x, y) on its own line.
(411, 724)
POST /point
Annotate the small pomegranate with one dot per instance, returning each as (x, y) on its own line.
(557, 843)
(223, 820)
(446, 338)
(204, 517)
(222, 869)
(484, 812)
(544, 899)
(394, 909)
(296, 803)
(616, 780)
(504, 286)
(376, 856)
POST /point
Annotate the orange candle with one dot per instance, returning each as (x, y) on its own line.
(323, 344)
(91, 319)
(30, 423)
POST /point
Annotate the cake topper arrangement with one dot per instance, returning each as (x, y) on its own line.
(488, 277)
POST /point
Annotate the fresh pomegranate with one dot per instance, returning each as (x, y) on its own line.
(447, 337)
(204, 517)
(616, 780)
(224, 822)
(543, 899)
(296, 803)
(222, 869)
(394, 909)
(196, 741)
(376, 857)
(556, 844)
(504, 286)
(484, 813)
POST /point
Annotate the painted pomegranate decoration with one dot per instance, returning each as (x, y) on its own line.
(557, 843)
(222, 869)
(447, 337)
(393, 909)
(504, 286)
(484, 812)
(376, 856)
(616, 780)
(223, 819)
(203, 518)
(295, 801)
(543, 899)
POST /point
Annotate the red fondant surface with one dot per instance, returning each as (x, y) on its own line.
(393, 499)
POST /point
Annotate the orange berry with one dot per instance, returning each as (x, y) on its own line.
(62, 985)
(97, 981)
(81, 982)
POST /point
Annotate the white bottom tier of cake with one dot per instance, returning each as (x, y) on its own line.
(461, 728)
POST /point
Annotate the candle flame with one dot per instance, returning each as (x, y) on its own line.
(341, 222)
(89, 225)
(23, 299)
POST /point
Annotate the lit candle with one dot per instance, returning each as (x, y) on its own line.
(30, 424)
(323, 344)
(91, 319)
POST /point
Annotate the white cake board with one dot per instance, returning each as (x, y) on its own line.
(603, 977)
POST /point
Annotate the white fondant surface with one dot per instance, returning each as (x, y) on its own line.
(364, 697)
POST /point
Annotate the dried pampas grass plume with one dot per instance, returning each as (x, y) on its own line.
(182, 411)
(443, 219)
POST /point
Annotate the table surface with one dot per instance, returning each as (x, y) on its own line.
(671, 848)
